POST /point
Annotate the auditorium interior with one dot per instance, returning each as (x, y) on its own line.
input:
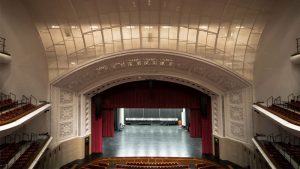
(149, 84)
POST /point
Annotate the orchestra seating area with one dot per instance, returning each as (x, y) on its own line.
(17, 154)
(151, 163)
(12, 109)
(289, 110)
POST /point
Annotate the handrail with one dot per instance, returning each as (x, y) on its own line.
(298, 45)
(287, 137)
(277, 100)
(2, 45)
(26, 135)
(280, 137)
(290, 95)
(271, 97)
(11, 94)
(17, 136)
(32, 97)
(2, 95)
(25, 98)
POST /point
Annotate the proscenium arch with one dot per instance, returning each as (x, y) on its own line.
(117, 68)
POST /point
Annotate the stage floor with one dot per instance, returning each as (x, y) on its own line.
(152, 141)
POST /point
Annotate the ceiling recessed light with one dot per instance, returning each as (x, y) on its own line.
(203, 27)
(94, 27)
(55, 27)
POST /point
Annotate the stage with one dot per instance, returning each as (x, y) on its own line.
(152, 141)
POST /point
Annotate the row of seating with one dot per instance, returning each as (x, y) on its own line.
(294, 104)
(29, 155)
(149, 165)
(285, 112)
(7, 104)
(205, 166)
(125, 166)
(24, 160)
(152, 164)
(292, 150)
(96, 166)
(276, 157)
(9, 151)
(16, 113)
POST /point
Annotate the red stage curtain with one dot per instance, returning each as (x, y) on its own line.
(108, 123)
(96, 131)
(160, 95)
(195, 123)
(207, 131)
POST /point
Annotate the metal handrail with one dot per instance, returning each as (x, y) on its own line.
(32, 97)
(277, 100)
(298, 45)
(14, 96)
(25, 134)
(2, 95)
(290, 95)
(25, 99)
(271, 97)
(2, 45)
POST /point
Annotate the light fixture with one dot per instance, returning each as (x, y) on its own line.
(203, 27)
(73, 63)
(55, 27)
(165, 27)
(73, 27)
(94, 27)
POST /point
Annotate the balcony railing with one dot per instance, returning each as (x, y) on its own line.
(2, 46)
(298, 47)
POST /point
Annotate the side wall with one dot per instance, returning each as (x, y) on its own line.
(28, 71)
(274, 74)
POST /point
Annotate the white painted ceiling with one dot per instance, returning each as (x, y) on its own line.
(227, 32)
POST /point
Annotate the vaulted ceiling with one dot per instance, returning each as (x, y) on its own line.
(226, 32)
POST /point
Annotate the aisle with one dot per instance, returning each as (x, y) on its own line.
(152, 141)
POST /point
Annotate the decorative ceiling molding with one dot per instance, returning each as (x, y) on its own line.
(163, 65)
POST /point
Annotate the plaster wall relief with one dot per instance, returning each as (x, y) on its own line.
(156, 62)
(85, 118)
(217, 116)
(238, 114)
(66, 110)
